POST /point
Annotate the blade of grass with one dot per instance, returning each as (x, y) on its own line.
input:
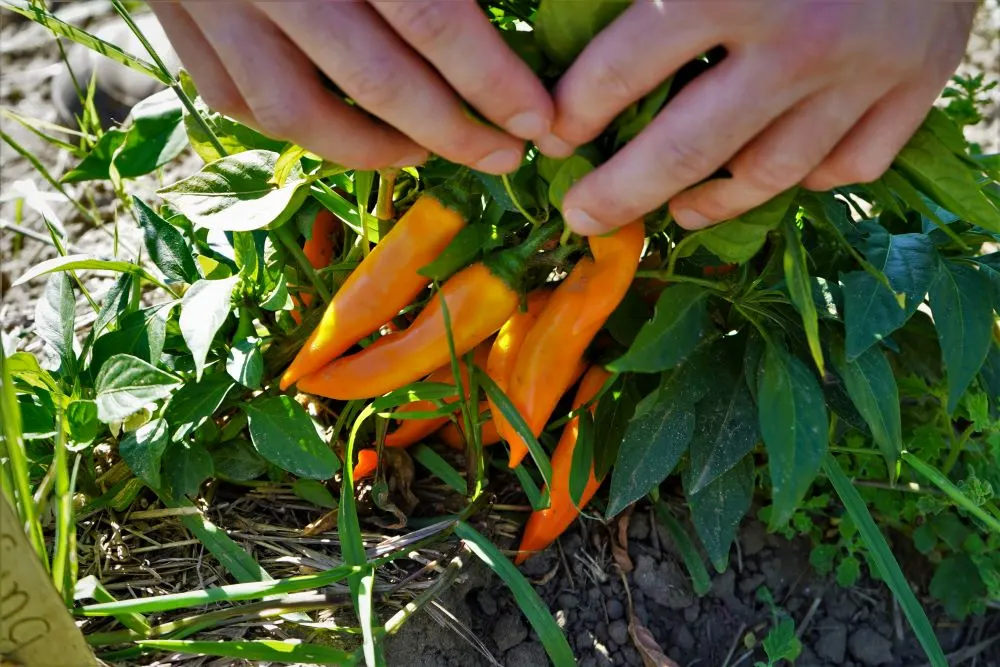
(64, 549)
(530, 603)
(18, 486)
(701, 583)
(885, 562)
(91, 587)
(372, 649)
(940, 481)
(440, 468)
(535, 497)
(256, 650)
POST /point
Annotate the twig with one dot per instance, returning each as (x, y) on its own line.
(32, 234)
(736, 642)
(807, 619)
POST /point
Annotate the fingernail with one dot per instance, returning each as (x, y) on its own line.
(411, 161)
(500, 162)
(528, 125)
(689, 219)
(581, 222)
(553, 146)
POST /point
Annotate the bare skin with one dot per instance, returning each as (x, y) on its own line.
(817, 93)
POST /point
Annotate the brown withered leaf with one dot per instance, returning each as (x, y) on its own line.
(619, 543)
(651, 653)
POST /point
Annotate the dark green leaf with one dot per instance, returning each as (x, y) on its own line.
(700, 581)
(563, 29)
(205, 306)
(38, 417)
(165, 245)
(628, 318)
(81, 416)
(245, 363)
(582, 461)
(958, 586)
(739, 239)
(570, 171)
(655, 439)
(238, 461)
(678, 325)
(154, 137)
(800, 288)
(718, 508)
(725, 431)
(114, 304)
(314, 492)
(55, 315)
(143, 448)
(195, 402)
(140, 334)
(793, 423)
(461, 251)
(185, 466)
(990, 372)
(235, 194)
(872, 387)
(127, 383)
(284, 434)
(963, 315)
(990, 265)
(848, 572)
(611, 418)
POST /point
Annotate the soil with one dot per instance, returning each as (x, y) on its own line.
(476, 621)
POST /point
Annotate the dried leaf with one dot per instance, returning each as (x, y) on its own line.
(652, 654)
(619, 546)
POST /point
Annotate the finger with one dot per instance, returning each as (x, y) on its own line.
(201, 61)
(869, 149)
(698, 132)
(372, 65)
(779, 158)
(455, 37)
(606, 78)
(285, 95)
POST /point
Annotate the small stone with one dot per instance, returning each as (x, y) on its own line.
(832, 644)
(808, 659)
(751, 584)
(568, 601)
(841, 607)
(589, 661)
(683, 639)
(612, 648)
(529, 654)
(631, 656)
(618, 630)
(594, 596)
(667, 584)
(486, 602)
(509, 631)
(585, 640)
(692, 613)
(869, 647)
(615, 609)
(724, 585)
(754, 536)
(538, 564)
(607, 591)
(601, 632)
(642, 614)
(602, 657)
(638, 526)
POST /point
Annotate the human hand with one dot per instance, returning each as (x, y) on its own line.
(820, 94)
(408, 63)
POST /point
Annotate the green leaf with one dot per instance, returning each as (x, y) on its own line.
(582, 461)
(611, 417)
(563, 29)
(55, 316)
(238, 461)
(848, 572)
(958, 586)
(793, 423)
(114, 304)
(314, 492)
(257, 650)
(678, 325)
(440, 468)
(571, 170)
(700, 581)
(245, 363)
(718, 508)
(81, 416)
(781, 642)
(990, 372)
(235, 193)
(284, 434)
(195, 402)
(141, 334)
(81, 262)
(872, 312)
(935, 170)
(38, 417)
(953, 492)
(205, 307)
(872, 387)
(531, 605)
(154, 137)
(884, 562)
(143, 448)
(186, 465)
(963, 316)
(127, 383)
(165, 245)
(741, 238)
(469, 243)
(655, 439)
(725, 431)
(800, 288)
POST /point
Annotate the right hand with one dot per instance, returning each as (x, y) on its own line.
(409, 64)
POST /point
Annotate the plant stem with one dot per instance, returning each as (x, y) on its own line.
(956, 449)
(667, 276)
(386, 185)
(284, 236)
(517, 203)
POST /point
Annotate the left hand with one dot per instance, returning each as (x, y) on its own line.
(820, 94)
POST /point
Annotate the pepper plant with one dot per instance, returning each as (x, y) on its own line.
(833, 356)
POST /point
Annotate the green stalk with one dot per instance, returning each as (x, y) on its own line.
(285, 236)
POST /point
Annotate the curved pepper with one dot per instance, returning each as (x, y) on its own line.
(453, 435)
(383, 284)
(480, 298)
(367, 463)
(578, 308)
(410, 431)
(318, 249)
(544, 526)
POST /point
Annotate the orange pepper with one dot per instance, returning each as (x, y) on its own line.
(366, 465)
(318, 249)
(453, 435)
(544, 526)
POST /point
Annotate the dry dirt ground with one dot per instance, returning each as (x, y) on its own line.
(858, 626)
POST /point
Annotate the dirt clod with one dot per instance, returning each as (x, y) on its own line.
(870, 648)
(832, 643)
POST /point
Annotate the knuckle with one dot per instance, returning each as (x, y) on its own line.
(841, 171)
(683, 160)
(279, 115)
(374, 87)
(224, 102)
(774, 173)
(427, 22)
(611, 77)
